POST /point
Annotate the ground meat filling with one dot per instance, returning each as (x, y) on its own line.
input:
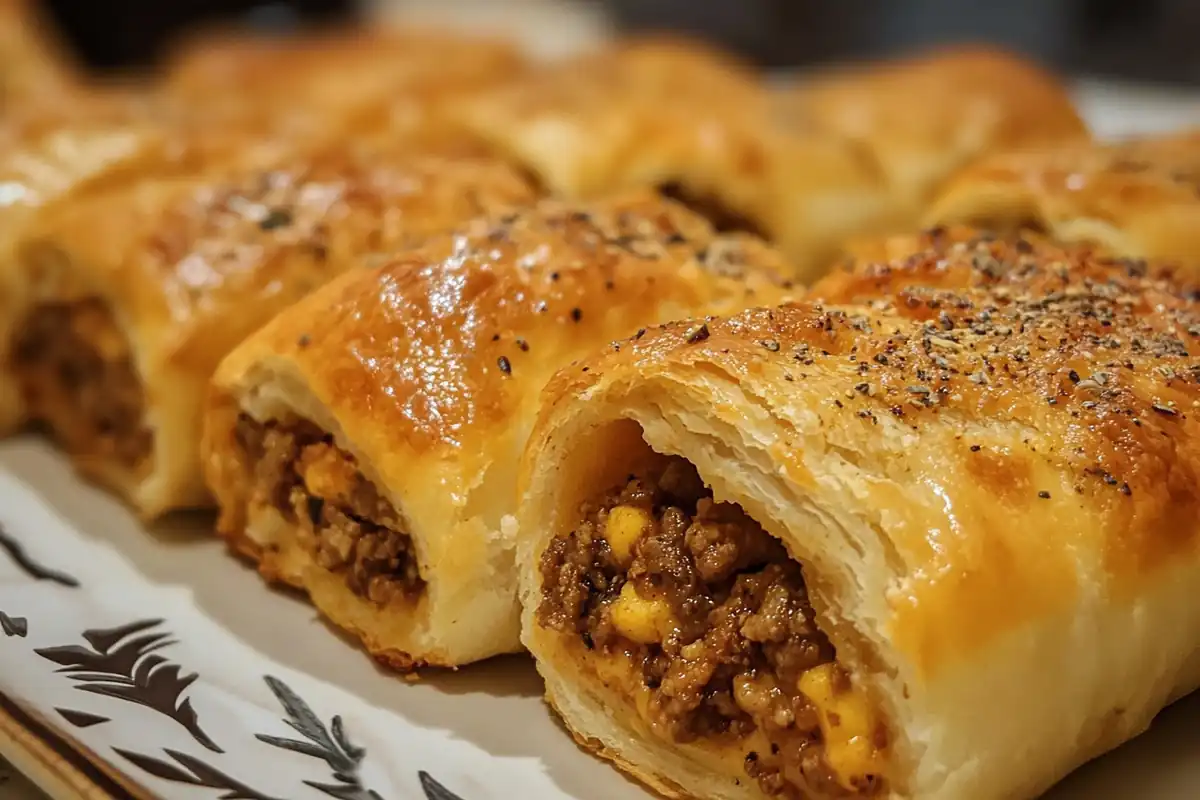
(727, 659)
(77, 377)
(346, 525)
(719, 215)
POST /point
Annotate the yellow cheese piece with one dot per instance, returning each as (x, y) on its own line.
(624, 527)
(644, 620)
(847, 725)
(326, 472)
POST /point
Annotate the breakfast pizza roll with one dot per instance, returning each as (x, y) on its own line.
(933, 536)
(921, 119)
(1138, 198)
(363, 446)
(143, 290)
(692, 123)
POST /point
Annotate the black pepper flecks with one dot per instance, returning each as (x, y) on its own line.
(698, 334)
(576, 314)
(304, 341)
(276, 218)
(504, 365)
(522, 345)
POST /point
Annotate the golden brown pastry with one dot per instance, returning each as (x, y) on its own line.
(58, 152)
(933, 536)
(921, 119)
(361, 79)
(34, 67)
(363, 446)
(694, 123)
(1137, 198)
(139, 292)
(46, 155)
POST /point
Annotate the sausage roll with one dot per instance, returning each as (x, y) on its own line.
(922, 119)
(1138, 198)
(47, 155)
(693, 123)
(141, 292)
(932, 537)
(35, 67)
(361, 79)
(363, 446)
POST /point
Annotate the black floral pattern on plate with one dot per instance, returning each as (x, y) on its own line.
(123, 663)
(16, 551)
(81, 719)
(434, 790)
(329, 744)
(193, 771)
(14, 626)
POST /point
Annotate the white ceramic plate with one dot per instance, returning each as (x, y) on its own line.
(170, 662)
(264, 663)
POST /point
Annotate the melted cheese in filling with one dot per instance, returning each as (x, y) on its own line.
(847, 723)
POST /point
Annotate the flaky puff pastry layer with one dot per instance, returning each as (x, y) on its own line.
(428, 372)
(922, 119)
(668, 113)
(986, 457)
(189, 266)
(1137, 198)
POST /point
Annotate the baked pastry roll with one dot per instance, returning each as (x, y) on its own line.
(363, 446)
(921, 119)
(361, 79)
(141, 291)
(37, 68)
(932, 537)
(1138, 198)
(56, 153)
(47, 155)
(693, 123)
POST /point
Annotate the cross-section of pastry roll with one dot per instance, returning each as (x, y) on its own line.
(921, 119)
(1138, 198)
(363, 446)
(693, 123)
(47, 155)
(934, 537)
(142, 291)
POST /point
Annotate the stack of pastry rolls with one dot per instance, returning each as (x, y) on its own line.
(399, 305)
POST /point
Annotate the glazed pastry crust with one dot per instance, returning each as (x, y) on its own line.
(191, 265)
(355, 81)
(36, 67)
(50, 154)
(922, 119)
(1138, 198)
(985, 457)
(428, 372)
(657, 113)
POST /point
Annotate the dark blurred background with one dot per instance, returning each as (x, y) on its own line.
(1151, 40)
